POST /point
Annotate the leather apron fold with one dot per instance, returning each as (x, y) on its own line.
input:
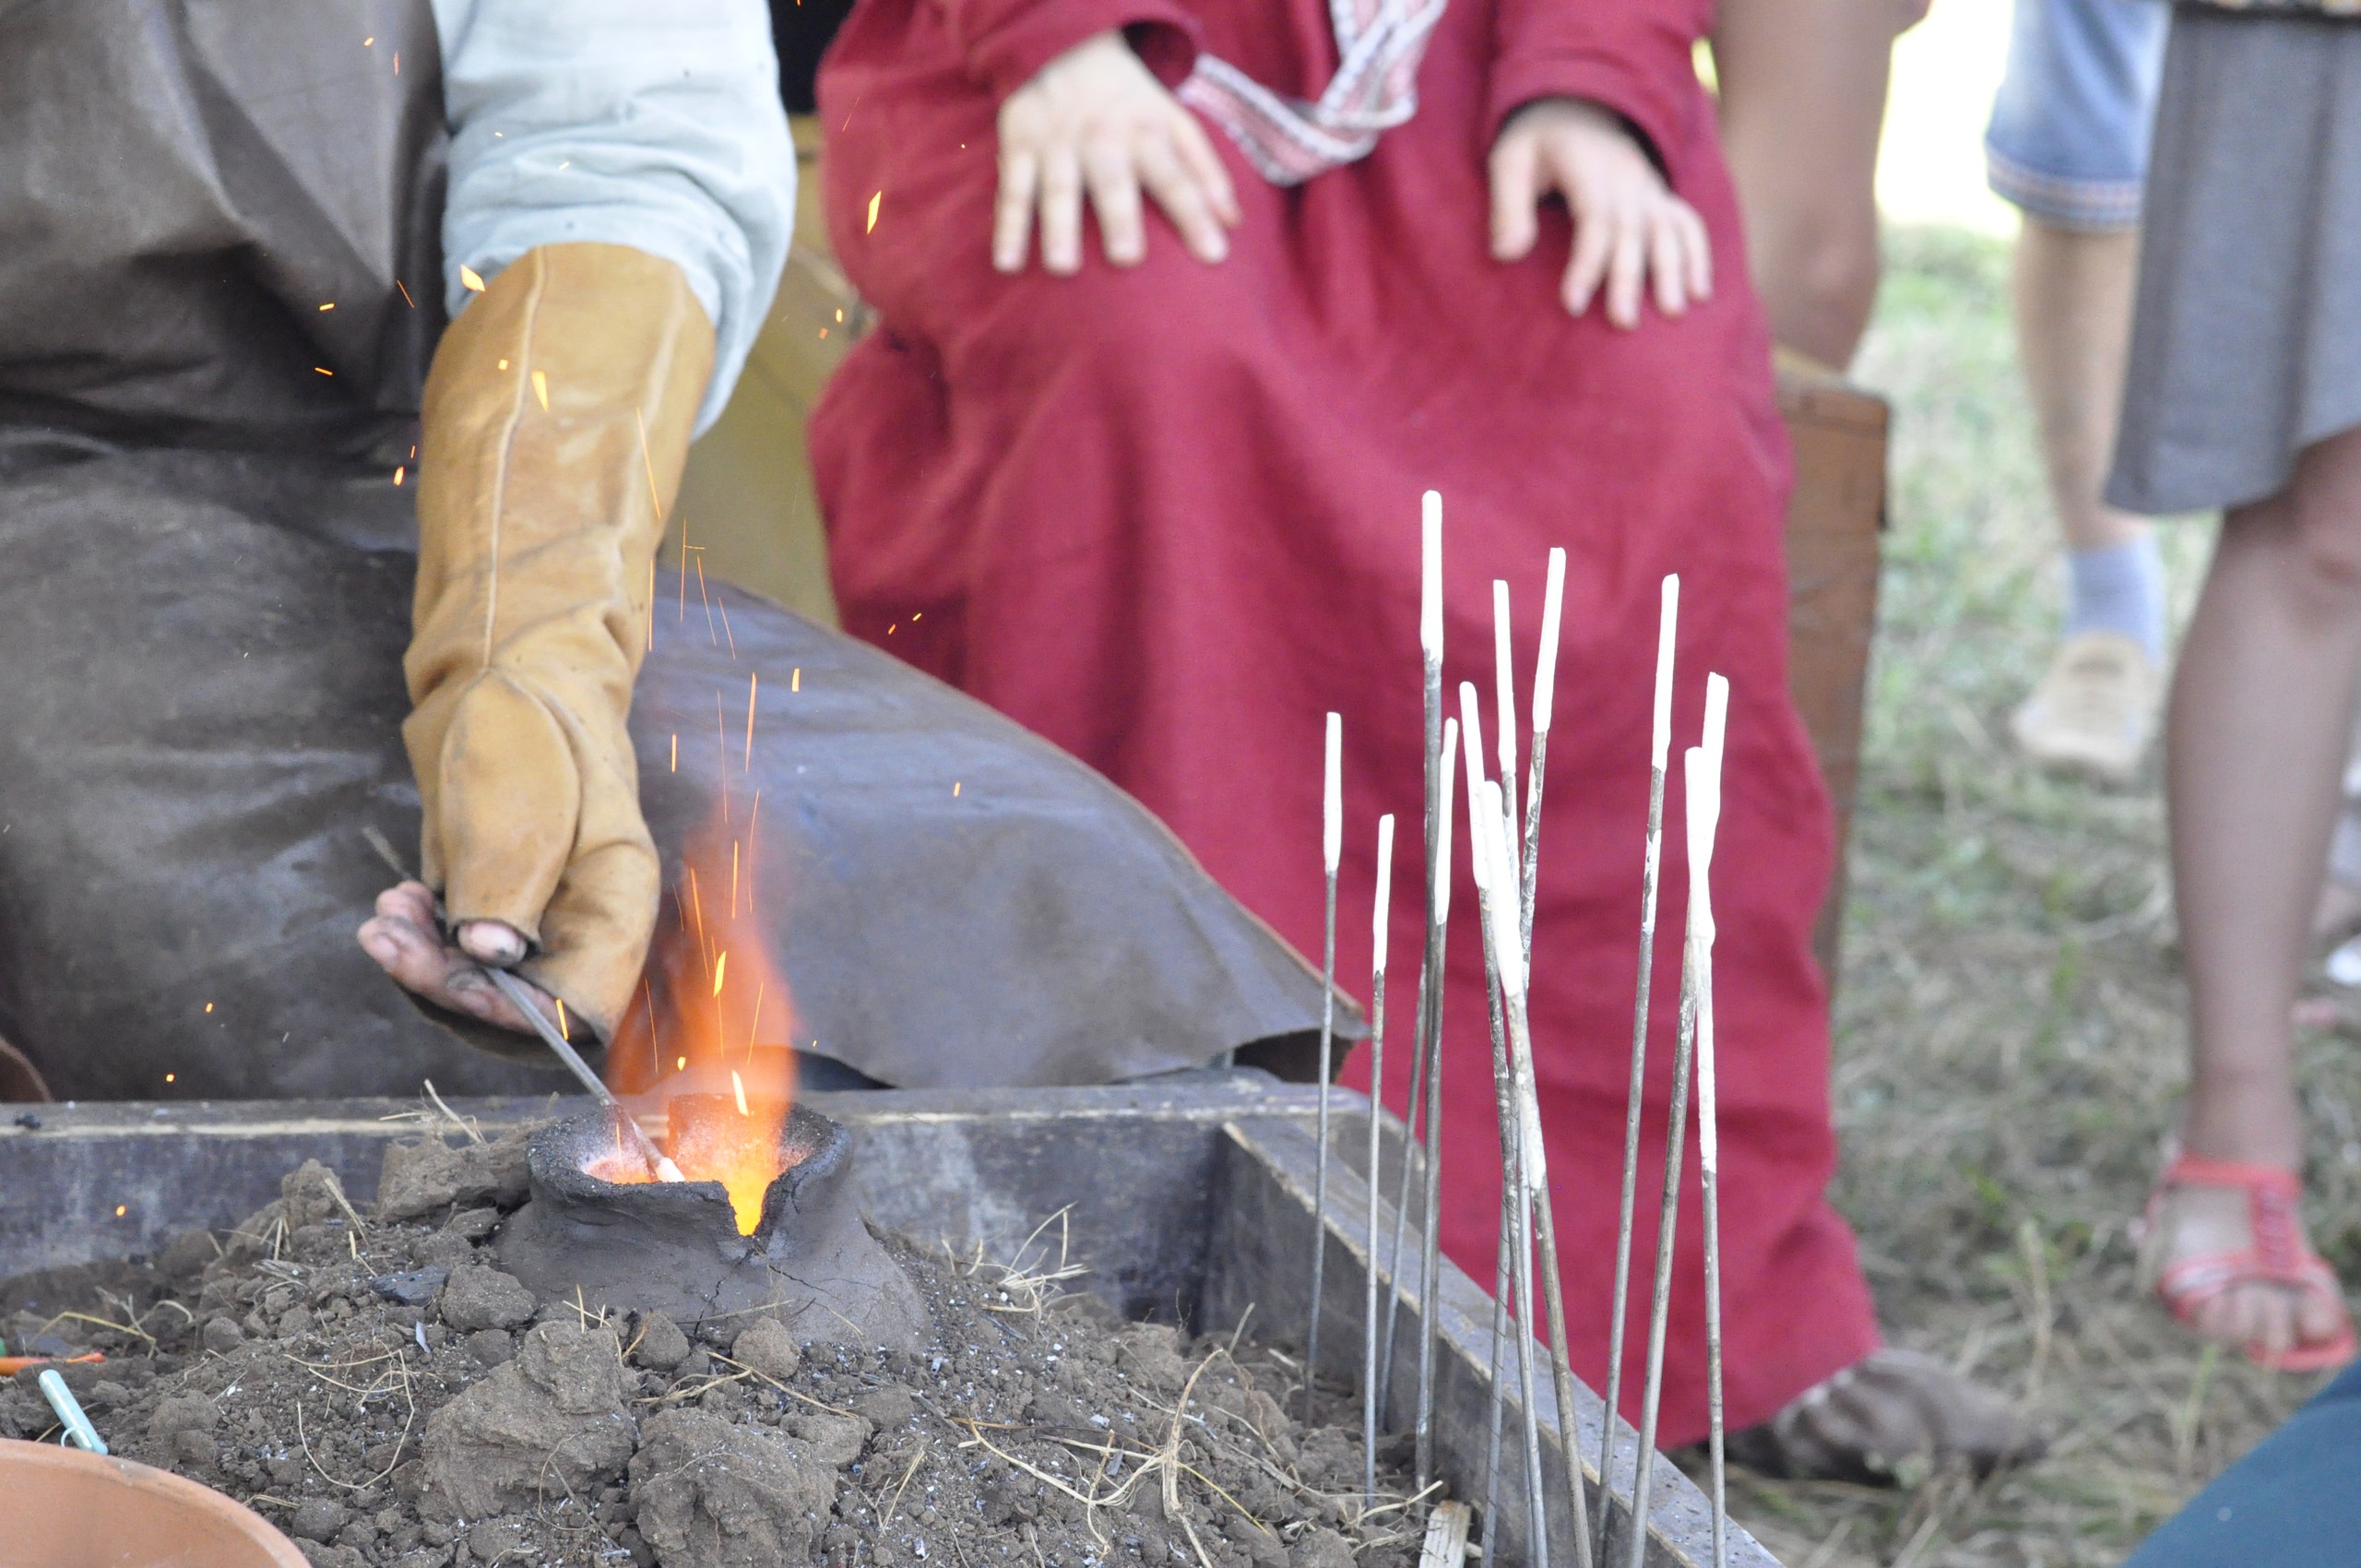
(205, 581)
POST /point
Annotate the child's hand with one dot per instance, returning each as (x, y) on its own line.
(1628, 229)
(1096, 120)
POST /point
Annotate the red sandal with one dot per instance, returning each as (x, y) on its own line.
(2276, 1254)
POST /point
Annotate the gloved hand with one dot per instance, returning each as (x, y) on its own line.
(557, 419)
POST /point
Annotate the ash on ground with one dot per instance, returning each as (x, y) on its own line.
(375, 1386)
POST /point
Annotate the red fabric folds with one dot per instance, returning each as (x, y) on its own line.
(1004, 42)
(1167, 516)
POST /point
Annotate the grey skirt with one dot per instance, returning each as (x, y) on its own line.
(2247, 342)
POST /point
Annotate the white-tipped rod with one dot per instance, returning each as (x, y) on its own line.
(1431, 1273)
(1378, 929)
(1513, 978)
(1332, 845)
(1704, 800)
(1512, 1276)
(1430, 575)
(1676, 1136)
(1659, 751)
(1544, 692)
(1504, 693)
(1431, 965)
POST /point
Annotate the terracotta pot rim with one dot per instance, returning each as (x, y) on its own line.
(31, 1470)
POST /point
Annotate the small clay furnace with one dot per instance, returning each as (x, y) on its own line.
(766, 1226)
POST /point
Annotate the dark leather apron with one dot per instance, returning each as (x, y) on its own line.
(205, 582)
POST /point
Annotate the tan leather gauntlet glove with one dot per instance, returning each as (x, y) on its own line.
(556, 421)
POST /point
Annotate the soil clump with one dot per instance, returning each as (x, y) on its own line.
(376, 1387)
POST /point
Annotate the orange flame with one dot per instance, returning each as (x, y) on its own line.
(706, 1038)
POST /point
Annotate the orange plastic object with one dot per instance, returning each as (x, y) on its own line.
(11, 1365)
(68, 1509)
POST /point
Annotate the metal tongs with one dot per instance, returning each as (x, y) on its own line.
(552, 1035)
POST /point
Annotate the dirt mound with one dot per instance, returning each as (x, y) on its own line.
(375, 1385)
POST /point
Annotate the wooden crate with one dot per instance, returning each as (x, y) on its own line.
(1189, 1197)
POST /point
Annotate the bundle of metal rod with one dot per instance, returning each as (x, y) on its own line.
(1332, 845)
(1501, 925)
(1512, 1277)
(1379, 923)
(1704, 775)
(1676, 1136)
(1659, 753)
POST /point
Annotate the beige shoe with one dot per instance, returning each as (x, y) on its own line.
(2094, 710)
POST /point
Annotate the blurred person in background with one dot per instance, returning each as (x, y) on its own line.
(2244, 393)
(2068, 145)
(1153, 492)
(1800, 87)
(1802, 94)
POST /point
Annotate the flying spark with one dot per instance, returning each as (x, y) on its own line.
(795, 678)
(676, 751)
(752, 682)
(737, 1085)
(955, 789)
(209, 1007)
(541, 388)
(170, 1076)
(323, 370)
(565, 1029)
(120, 1209)
(473, 281)
(405, 293)
(330, 305)
(720, 968)
(874, 203)
(399, 469)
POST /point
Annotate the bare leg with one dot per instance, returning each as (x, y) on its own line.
(2095, 708)
(2073, 317)
(2260, 716)
(1802, 101)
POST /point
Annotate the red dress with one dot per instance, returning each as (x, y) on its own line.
(1168, 516)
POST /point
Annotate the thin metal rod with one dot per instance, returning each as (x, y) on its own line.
(1431, 1237)
(1380, 928)
(1703, 777)
(1504, 691)
(1544, 691)
(1332, 839)
(1402, 1193)
(1498, 1404)
(1368, 1316)
(1660, 1299)
(1659, 753)
(1430, 964)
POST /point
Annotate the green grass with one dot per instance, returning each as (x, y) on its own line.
(2011, 1044)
